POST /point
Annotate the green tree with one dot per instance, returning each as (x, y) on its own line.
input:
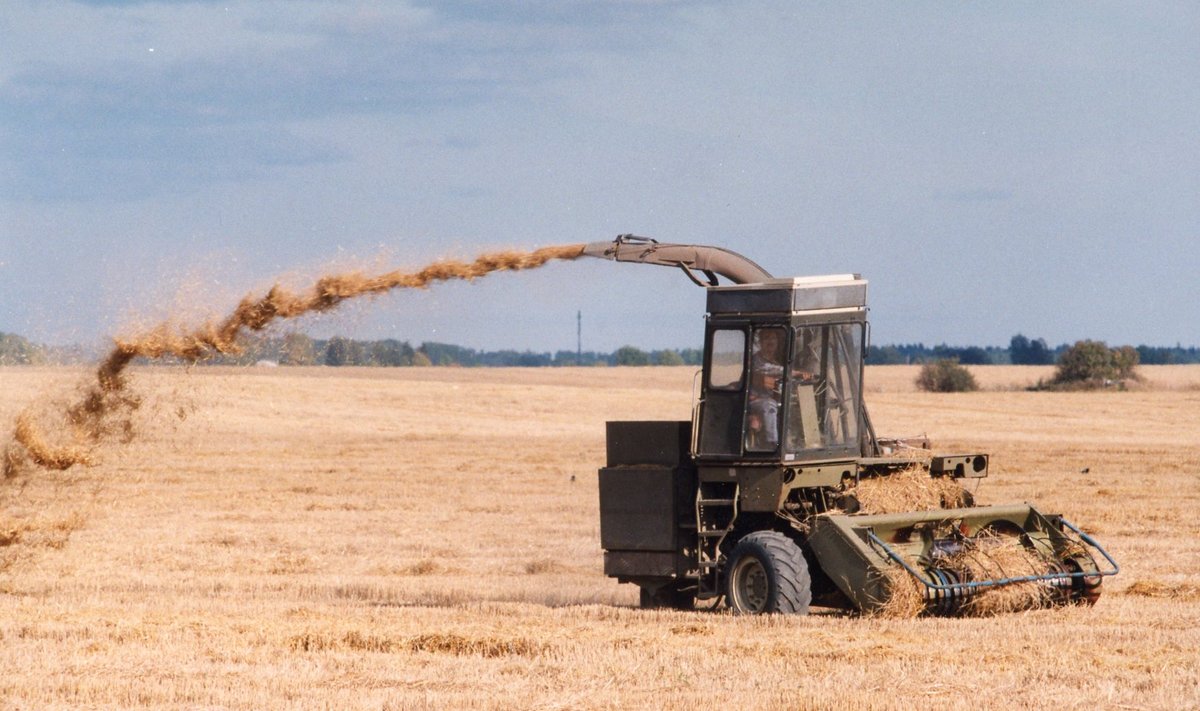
(668, 357)
(1125, 360)
(390, 353)
(297, 349)
(1090, 363)
(1086, 360)
(343, 351)
(971, 355)
(1023, 351)
(15, 350)
(692, 356)
(885, 355)
(449, 354)
(630, 355)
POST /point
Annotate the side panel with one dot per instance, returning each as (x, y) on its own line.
(854, 567)
(664, 443)
(640, 506)
(647, 499)
(721, 424)
(644, 564)
(760, 488)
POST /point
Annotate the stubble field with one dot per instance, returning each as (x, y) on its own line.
(429, 538)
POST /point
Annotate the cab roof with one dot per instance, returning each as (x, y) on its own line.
(795, 295)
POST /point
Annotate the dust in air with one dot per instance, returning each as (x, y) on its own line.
(104, 408)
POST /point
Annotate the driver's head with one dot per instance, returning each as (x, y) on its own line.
(770, 343)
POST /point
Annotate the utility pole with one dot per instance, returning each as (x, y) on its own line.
(579, 337)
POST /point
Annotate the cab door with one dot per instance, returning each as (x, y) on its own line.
(722, 406)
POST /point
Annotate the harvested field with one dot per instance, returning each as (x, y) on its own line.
(429, 538)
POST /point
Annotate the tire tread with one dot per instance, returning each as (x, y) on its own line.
(791, 583)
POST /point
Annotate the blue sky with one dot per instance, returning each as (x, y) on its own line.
(991, 168)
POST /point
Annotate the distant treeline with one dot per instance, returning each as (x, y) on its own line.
(16, 350)
(299, 349)
(1020, 351)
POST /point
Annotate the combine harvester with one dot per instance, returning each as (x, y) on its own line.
(754, 500)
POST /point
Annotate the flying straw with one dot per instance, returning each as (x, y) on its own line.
(100, 408)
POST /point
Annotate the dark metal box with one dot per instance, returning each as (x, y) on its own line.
(640, 507)
(649, 442)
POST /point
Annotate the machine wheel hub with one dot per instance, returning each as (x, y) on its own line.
(750, 584)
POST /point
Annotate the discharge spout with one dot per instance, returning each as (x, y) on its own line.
(691, 258)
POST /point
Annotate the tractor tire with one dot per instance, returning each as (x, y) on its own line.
(767, 573)
(668, 597)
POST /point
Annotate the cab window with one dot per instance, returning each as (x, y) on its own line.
(823, 387)
(728, 357)
(764, 398)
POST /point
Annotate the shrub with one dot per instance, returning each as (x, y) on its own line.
(1125, 360)
(1093, 364)
(946, 376)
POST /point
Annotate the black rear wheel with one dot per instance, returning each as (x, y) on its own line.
(767, 573)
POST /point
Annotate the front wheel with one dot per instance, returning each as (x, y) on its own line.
(767, 573)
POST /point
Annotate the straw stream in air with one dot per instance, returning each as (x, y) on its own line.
(103, 407)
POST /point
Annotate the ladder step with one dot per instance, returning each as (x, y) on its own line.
(713, 534)
(715, 502)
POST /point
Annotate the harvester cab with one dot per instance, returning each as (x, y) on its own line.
(782, 375)
(754, 500)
